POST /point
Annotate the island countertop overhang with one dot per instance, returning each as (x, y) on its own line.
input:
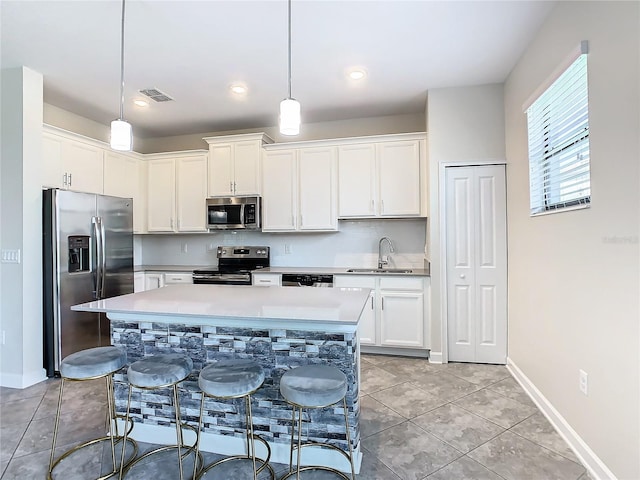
(334, 309)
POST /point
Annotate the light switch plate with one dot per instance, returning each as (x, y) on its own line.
(10, 256)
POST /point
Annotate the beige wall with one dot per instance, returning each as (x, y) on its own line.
(466, 124)
(21, 228)
(72, 122)
(573, 276)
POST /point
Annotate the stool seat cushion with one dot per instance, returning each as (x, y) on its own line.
(313, 385)
(93, 362)
(231, 378)
(159, 370)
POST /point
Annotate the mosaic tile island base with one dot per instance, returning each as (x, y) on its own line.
(277, 344)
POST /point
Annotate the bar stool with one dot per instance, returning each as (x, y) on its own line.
(315, 386)
(161, 371)
(91, 364)
(231, 379)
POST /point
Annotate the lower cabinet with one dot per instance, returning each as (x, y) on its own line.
(396, 315)
(150, 280)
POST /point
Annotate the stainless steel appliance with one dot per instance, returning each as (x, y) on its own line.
(306, 280)
(87, 255)
(233, 213)
(234, 266)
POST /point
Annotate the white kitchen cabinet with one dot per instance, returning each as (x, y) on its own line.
(299, 189)
(177, 278)
(138, 282)
(161, 195)
(177, 192)
(266, 279)
(234, 164)
(382, 179)
(123, 177)
(397, 314)
(153, 281)
(71, 163)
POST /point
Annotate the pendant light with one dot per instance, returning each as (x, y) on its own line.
(289, 107)
(121, 132)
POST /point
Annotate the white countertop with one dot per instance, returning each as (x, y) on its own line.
(415, 272)
(328, 305)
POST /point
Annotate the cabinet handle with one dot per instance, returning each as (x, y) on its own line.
(231, 187)
(373, 206)
(371, 303)
(462, 275)
(382, 303)
(264, 281)
(301, 220)
(64, 180)
(171, 223)
(381, 206)
(69, 179)
(234, 187)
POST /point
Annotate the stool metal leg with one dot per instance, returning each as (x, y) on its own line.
(195, 462)
(251, 451)
(293, 431)
(124, 441)
(346, 425)
(55, 427)
(176, 407)
(299, 441)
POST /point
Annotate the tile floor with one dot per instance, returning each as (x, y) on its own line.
(419, 421)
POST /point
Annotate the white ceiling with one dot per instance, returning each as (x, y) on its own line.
(193, 51)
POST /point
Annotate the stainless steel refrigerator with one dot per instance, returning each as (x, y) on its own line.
(87, 255)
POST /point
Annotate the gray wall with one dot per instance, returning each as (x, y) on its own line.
(574, 276)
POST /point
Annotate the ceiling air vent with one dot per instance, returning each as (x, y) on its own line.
(155, 94)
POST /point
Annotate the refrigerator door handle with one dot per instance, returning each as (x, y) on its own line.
(96, 266)
(103, 259)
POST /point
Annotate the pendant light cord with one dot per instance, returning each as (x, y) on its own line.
(122, 64)
(289, 49)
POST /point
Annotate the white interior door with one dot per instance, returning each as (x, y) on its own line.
(475, 217)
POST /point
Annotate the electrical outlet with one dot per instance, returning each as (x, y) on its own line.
(287, 248)
(584, 382)
(211, 247)
(184, 247)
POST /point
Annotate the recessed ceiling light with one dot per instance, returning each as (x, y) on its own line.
(357, 74)
(141, 103)
(238, 89)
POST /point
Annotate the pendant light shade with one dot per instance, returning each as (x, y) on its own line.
(121, 131)
(289, 108)
(121, 135)
(289, 117)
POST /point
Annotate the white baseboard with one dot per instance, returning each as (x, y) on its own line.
(14, 380)
(435, 357)
(596, 467)
(400, 351)
(226, 445)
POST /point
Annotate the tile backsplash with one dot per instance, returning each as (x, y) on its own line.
(355, 244)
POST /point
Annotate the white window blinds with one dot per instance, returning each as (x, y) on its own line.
(558, 125)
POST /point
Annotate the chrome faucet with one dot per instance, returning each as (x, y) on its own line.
(383, 260)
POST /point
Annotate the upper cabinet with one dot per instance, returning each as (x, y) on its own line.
(176, 192)
(383, 178)
(125, 176)
(299, 189)
(234, 164)
(71, 163)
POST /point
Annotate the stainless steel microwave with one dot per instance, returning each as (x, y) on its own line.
(233, 213)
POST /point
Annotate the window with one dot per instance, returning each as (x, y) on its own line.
(558, 125)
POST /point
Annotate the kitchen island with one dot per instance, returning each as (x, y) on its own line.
(279, 327)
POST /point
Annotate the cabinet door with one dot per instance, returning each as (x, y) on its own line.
(399, 177)
(191, 179)
(356, 181)
(83, 163)
(153, 280)
(367, 325)
(122, 179)
(52, 173)
(317, 189)
(161, 194)
(279, 191)
(220, 169)
(246, 167)
(138, 282)
(402, 319)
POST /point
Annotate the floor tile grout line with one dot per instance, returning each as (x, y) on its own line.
(543, 446)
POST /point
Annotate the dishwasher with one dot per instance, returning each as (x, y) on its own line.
(306, 280)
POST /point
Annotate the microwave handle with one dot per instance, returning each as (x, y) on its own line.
(242, 219)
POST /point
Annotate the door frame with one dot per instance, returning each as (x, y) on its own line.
(443, 245)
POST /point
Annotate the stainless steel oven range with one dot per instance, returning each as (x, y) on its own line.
(234, 266)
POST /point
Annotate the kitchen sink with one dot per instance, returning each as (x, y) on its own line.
(378, 270)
